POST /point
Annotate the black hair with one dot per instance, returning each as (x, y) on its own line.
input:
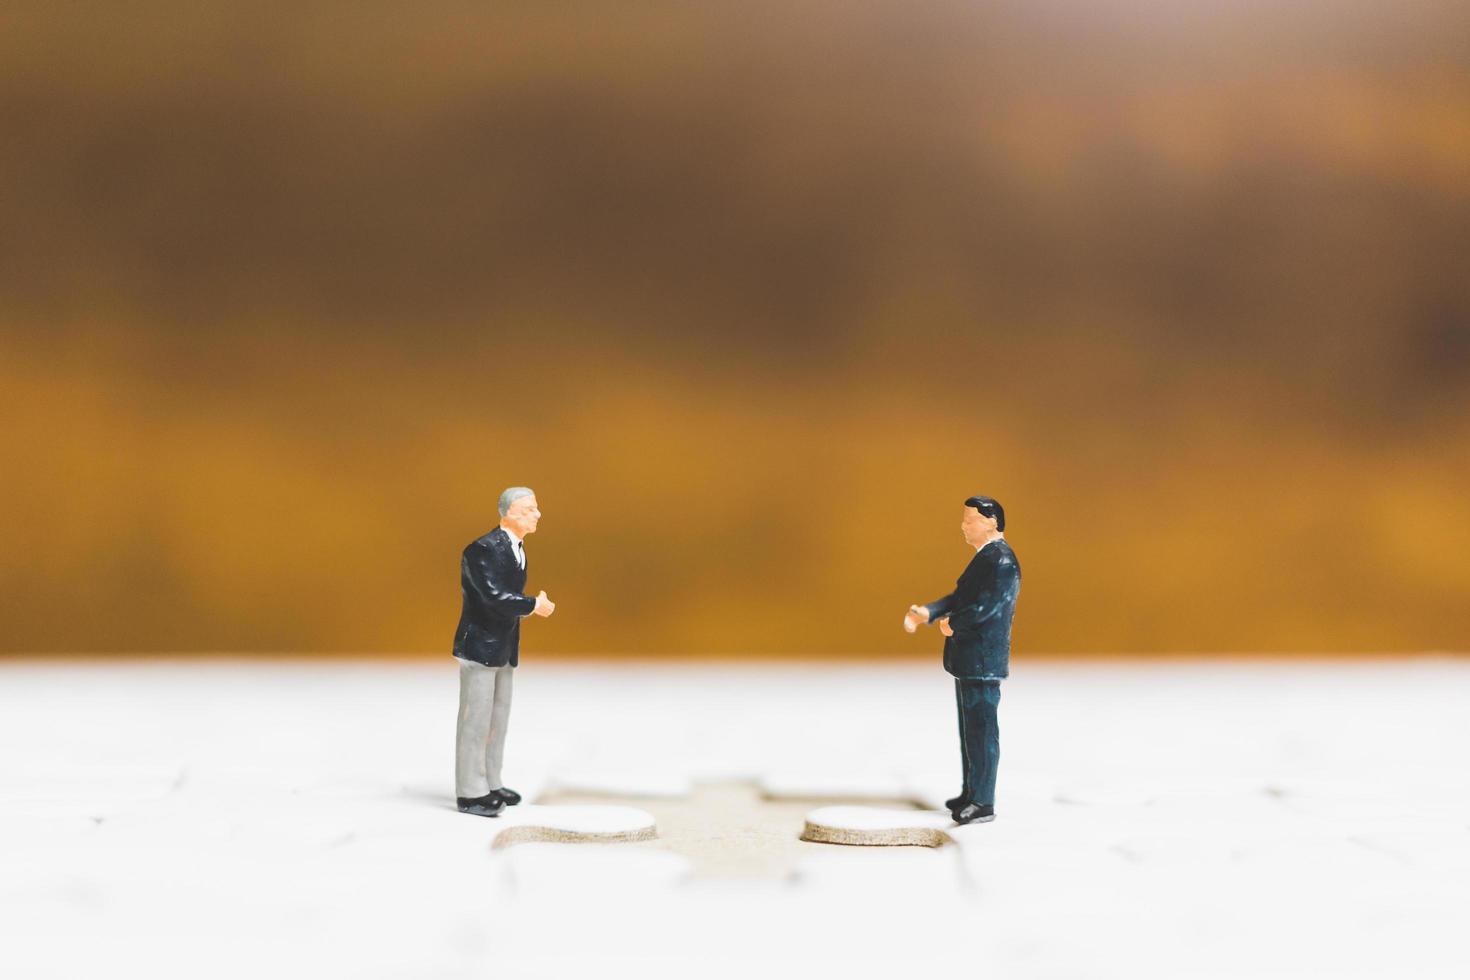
(990, 507)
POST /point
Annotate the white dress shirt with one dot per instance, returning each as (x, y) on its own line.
(517, 546)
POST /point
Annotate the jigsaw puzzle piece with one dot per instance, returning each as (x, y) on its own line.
(878, 827)
(530, 822)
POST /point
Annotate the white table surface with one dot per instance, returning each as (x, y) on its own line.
(1221, 818)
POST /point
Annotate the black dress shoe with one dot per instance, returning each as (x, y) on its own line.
(954, 804)
(481, 806)
(510, 796)
(974, 813)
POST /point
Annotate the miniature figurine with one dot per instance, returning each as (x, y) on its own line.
(492, 574)
(976, 622)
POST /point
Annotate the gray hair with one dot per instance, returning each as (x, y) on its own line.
(512, 495)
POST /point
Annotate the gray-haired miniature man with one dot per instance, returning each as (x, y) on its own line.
(492, 577)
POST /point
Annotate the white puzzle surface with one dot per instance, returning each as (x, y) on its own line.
(1223, 819)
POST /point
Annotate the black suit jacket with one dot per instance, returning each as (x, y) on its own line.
(491, 581)
(980, 611)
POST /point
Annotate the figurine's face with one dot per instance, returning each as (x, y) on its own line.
(976, 527)
(523, 515)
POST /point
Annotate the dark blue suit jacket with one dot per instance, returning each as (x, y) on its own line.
(980, 610)
(491, 581)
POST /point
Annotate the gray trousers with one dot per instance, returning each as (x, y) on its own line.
(484, 716)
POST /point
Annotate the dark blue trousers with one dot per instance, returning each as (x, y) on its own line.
(979, 737)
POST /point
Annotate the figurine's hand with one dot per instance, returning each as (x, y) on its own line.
(914, 618)
(544, 606)
(943, 625)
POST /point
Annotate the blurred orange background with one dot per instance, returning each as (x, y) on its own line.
(753, 295)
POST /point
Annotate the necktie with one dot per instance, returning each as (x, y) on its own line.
(520, 554)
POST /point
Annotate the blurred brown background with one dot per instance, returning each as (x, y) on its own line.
(754, 295)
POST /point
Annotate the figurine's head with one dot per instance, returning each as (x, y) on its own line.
(983, 520)
(518, 511)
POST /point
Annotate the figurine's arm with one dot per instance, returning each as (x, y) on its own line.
(927, 614)
(940, 608)
(989, 602)
(482, 579)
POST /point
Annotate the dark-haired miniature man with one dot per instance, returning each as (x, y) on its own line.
(976, 622)
(492, 575)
